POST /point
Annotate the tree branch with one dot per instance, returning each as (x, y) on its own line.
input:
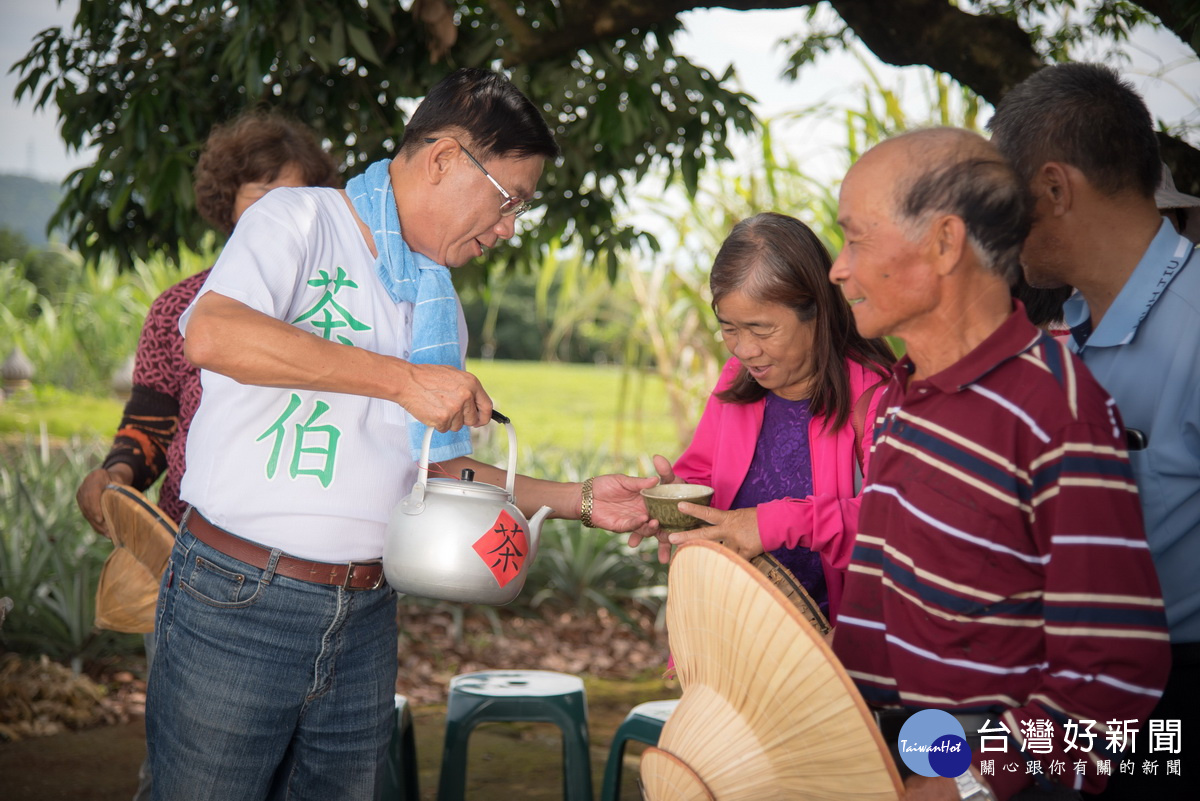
(592, 20)
(989, 54)
(1180, 17)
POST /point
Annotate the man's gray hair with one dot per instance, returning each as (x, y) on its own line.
(974, 184)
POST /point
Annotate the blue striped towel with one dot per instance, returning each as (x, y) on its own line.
(420, 280)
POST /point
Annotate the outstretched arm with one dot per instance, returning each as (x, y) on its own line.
(616, 499)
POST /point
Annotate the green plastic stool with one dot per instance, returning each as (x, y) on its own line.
(400, 768)
(643, 723)
(540, 696)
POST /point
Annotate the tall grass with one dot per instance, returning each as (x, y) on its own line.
(79, 331)
(50, 559)
(674, 334)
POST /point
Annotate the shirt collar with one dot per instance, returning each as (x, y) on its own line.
(1014, 336)
(1161, 262)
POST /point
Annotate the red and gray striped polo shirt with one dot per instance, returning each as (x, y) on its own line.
(1001, 565)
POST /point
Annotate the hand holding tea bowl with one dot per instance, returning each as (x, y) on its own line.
(689, 517)
(736, 529)
(663, 500)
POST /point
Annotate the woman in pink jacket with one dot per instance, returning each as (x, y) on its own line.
(777, 441)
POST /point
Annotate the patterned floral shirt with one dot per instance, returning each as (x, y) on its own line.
(166, 393)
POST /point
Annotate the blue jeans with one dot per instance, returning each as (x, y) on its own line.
(266, 687)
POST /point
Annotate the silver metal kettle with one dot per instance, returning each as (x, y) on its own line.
(457, 539)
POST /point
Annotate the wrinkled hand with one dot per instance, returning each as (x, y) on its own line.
(923, 788)
(617, 503)
(666, 475)
(651, 530)
(446, 398)
(90, 490)
(737, 530)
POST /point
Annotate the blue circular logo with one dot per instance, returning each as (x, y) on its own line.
(933, 743)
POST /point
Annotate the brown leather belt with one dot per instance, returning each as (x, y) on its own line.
(347, 575)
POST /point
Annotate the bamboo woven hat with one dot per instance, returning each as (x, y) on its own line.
(767, 710)
(142, 537)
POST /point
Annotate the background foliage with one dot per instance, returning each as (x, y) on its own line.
(50, 558)
(144, 80)
(79, 324)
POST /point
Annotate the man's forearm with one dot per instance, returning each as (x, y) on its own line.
(230, 338)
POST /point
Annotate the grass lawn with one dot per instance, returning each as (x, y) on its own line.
(580, 407)
(63, 414)
(557, 407)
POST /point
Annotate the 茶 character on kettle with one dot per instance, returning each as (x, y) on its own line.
(468, 539)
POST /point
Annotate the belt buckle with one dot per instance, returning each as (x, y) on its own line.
(350, 575)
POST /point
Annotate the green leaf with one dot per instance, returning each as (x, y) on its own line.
(361, 43)
(116, 211)
(382, 12)
(337, 40)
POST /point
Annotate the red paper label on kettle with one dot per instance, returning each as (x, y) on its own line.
(503, 548)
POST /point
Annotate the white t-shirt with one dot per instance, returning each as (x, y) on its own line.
(315, 474)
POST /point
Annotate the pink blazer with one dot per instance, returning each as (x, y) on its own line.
(720, 453)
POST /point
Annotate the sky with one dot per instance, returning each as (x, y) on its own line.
(29, 141)
(30, 144)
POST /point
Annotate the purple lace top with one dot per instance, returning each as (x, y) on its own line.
(782, 468)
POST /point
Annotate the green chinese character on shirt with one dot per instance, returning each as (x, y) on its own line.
(327, 314)
(307, 433)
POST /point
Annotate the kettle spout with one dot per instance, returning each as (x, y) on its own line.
(535, 528)
(535, 523)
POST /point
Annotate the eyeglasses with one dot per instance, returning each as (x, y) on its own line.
(512, 206)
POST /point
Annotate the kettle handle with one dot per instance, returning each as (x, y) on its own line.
(509, 480)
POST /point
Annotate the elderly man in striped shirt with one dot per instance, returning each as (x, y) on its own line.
(1001, 571)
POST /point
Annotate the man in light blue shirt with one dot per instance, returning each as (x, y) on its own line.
(1085, 143)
